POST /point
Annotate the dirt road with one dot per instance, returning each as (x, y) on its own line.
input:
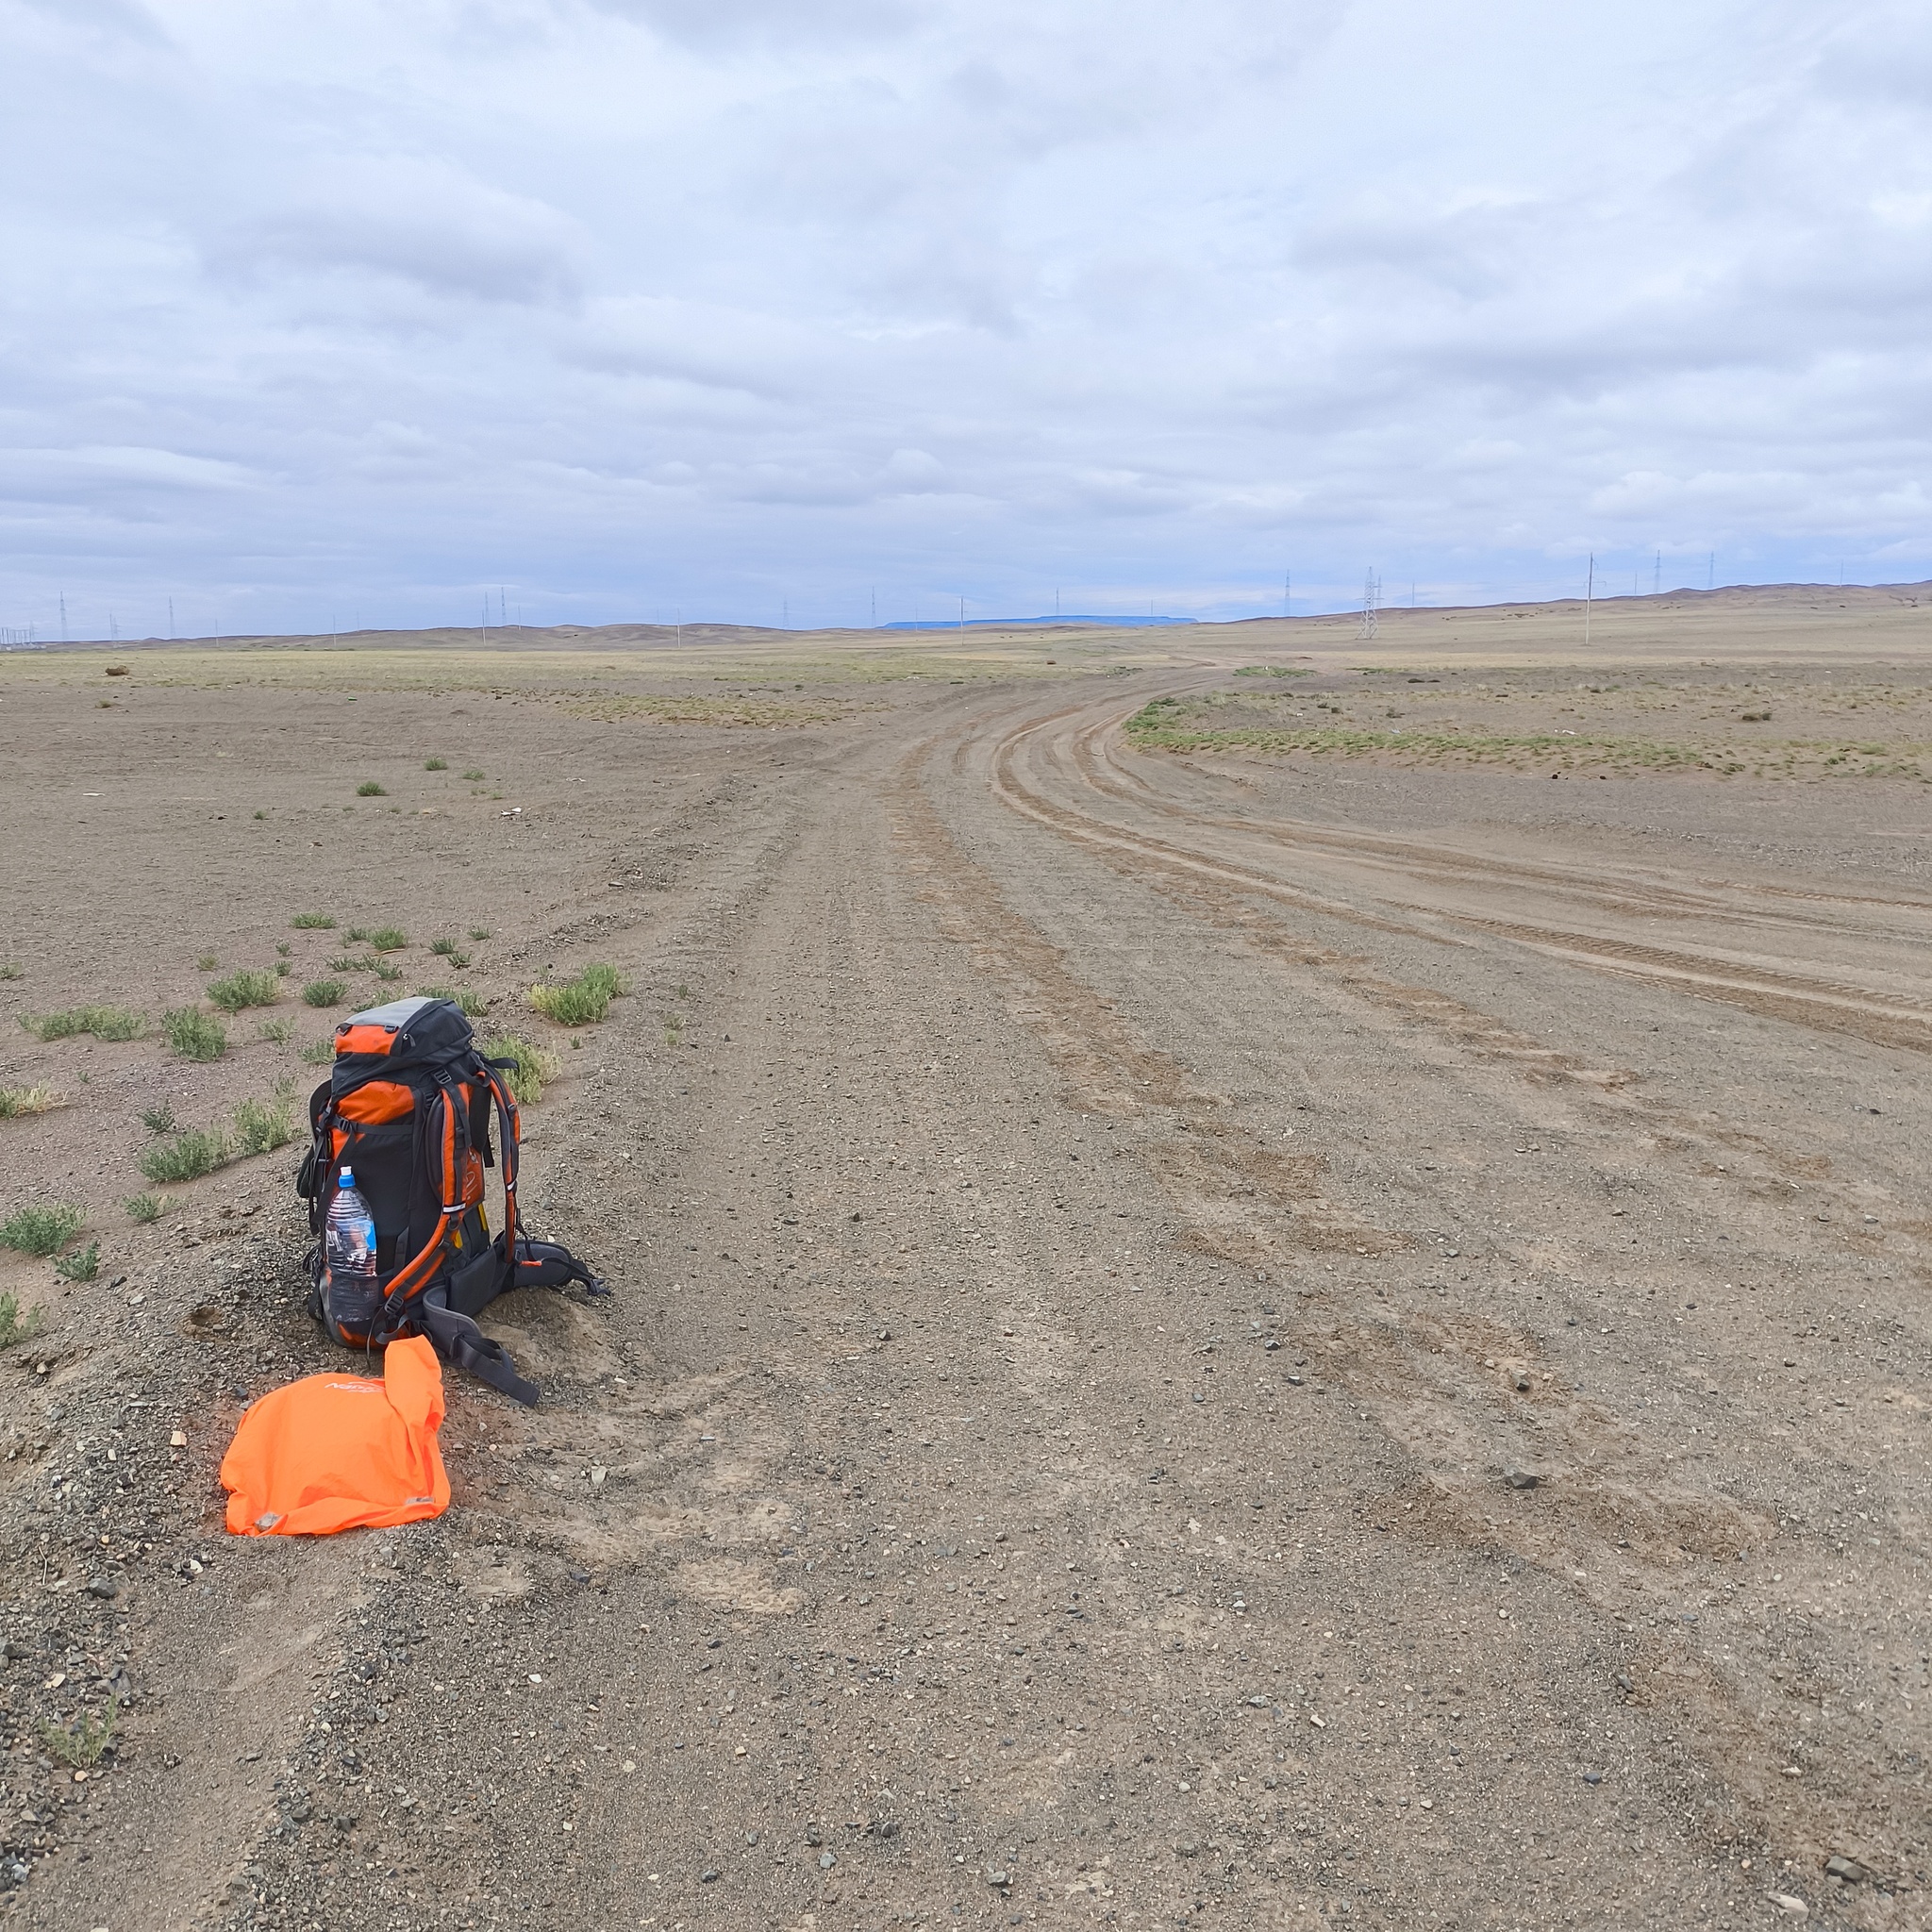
(1198, 1341)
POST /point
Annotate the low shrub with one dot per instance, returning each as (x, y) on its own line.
(436, 764)
(276, 1032)
(241, 991)
(479, 932)
(10, 970)
(529, 1066)
(312, 921)
(324, 993)
(443, 948)
(144, 1207)
(187, 1155)
(41, 1231)
(193, 1034)
(207, 963)
(83, 1264)
(474, 776)
(113, 1024)
(386, 938)
(15, 1326)
(472, 1002)
(158, 1119)
(261, 1126)
(370, 788)
(318, 1053)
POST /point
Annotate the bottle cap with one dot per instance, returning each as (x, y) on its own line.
(346, 1179)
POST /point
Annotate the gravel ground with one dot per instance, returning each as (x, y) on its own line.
(1197, 1339)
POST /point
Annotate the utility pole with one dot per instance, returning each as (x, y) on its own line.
(1656, 576)
(171, 609)
(1288, 593)
(64, 617)
(1710, 572)
(875, 607)
(1588, 596)
(962, 613)
(1372, 598)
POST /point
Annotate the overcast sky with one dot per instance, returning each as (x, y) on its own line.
(756, 309)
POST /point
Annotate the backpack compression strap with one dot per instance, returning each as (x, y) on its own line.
(410, 1279)
(458, 1339)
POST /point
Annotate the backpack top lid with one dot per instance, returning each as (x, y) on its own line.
(417, 1027)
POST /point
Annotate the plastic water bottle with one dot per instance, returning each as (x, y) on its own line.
(355, 1294)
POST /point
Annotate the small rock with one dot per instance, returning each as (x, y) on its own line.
(1188, 1847)
(811, 1835)
(708, 1876)
(827, 1860)
(1294, 1381)
(1520, 1478)
(1593, 1777)
(998, 1876)
(597, 1477)
(178, 1439)
(1258, 1704)
(1519, 1380)
(1792, 1907)
(103, 1587)
(1847, 1871)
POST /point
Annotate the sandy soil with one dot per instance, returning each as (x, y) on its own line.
(1210, 1328)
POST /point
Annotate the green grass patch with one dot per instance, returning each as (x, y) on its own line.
(479, 932)
(83, 1264)
(312, 921)
(1271, 671)
(207, 963)
(276, 1032)
(241, 991)
(18, 1102)
(15, 1326)
(436, 764)
(1165, 726)
(193, 1034)
(186, 1156)
(581, 1000)
(158, 1119)
(529, 1066)
(474, 776)
(386, 938)
(105, 1023)
(318, 1053)
(10, 970)
(324, 993)
(144, 1207)
(41, 1231)
(370, 788)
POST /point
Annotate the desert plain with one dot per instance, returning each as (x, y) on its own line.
(1261, 1278)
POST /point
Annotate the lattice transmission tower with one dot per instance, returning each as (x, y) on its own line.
(1370, 626)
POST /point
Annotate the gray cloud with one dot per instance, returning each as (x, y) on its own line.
(642, 303)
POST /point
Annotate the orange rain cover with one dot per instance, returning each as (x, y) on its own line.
(335, 1451)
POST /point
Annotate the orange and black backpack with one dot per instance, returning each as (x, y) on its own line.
(408, 1108)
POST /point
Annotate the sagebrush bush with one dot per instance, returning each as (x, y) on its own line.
(312, 921)
(15, 1326)
(370, 788)
(324, 993)
(386, 938)
(143, 1206)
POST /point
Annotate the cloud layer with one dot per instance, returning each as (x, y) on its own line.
(342, 312)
